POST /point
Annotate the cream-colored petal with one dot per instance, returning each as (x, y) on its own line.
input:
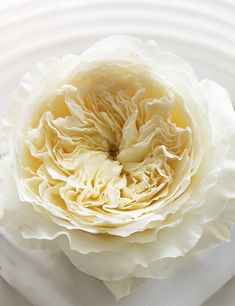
(123, 287)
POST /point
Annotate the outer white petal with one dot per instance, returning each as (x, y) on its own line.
(19, 216)
(171, 242)
(219, 208)
(36, 85)
(167, 64)
(123, 287)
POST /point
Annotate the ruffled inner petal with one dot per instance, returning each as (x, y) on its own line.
(119, 150)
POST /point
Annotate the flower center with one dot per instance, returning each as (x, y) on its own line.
(113, 151)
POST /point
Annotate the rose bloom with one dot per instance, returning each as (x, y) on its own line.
(123, 158)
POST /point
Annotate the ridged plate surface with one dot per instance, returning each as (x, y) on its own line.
(202, 31)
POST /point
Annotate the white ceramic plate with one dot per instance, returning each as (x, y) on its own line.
(201, 31)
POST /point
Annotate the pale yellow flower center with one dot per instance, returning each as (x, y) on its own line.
(108, 148)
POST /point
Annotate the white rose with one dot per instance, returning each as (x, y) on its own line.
(123, 158)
